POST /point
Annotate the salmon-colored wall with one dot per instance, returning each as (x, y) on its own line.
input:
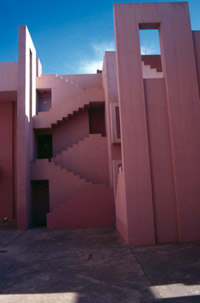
(70, 132)
(183, 109)
(6, 160)
(162, 179)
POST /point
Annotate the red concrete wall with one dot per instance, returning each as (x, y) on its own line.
(6, 160)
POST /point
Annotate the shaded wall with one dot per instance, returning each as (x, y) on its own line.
(196, 40)
(6, 160)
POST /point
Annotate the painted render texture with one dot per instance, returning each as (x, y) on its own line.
(118, 147)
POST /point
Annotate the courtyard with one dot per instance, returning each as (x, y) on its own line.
(94, 265)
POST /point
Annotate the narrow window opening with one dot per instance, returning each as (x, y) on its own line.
(150, 51)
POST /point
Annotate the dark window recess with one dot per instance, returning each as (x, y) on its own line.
(97, 119)
(117, 122)
(44, 146)
(43, 100)
(40, 202)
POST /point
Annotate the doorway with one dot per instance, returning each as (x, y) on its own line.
(44, 146)
(40, 202)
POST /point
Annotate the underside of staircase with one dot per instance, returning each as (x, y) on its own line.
(93, 207)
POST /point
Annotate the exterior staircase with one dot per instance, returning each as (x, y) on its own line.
(68, 107)
(63, 185)
(78, 194)
(84, 156)
(150, 73)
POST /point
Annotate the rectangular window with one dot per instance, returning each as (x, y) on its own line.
(115, 123)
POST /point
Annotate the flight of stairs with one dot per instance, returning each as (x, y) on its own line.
(78, 176)
(63, 185)
(150, 73)
(71, 106)
(84, 156)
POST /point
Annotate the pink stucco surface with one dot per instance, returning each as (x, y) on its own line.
(8, 76)
(121, 208)
(85, 80)
(141, 168)
(163, 188)
(135, 158)
(61, 89)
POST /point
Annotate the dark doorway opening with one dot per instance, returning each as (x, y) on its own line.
(44, 146)
(97, 118)
(40, 202)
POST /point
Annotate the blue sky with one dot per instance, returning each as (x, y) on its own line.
(70, 36)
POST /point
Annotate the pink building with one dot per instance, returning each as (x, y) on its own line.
(118, 147)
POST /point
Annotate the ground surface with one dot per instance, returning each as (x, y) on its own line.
(94, 266)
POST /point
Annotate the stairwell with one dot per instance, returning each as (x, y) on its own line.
(78, 194)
